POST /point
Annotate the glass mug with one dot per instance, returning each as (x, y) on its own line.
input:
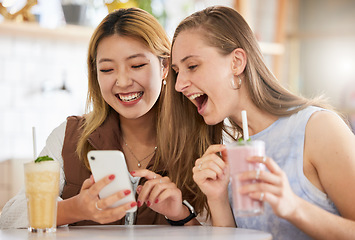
(42, 189)
(237, 154)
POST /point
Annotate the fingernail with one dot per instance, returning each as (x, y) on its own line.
(111, 177)
(127, 192)
(139, 203)
(148, 204)
(133, 204)
(156, 200)
(133, 172)
(92, 179)
(139, 188)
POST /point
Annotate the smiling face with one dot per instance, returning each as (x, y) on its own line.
(204, 76)
(129, 75)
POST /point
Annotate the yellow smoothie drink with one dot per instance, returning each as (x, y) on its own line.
(42, 189)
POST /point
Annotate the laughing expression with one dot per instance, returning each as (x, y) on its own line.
(129, 75)
(203, 76)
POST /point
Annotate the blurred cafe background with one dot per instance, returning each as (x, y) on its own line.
(309, 45)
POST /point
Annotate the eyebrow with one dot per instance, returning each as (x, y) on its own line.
(136, 55)
(128, 58)
(105, 60)
(184, 59)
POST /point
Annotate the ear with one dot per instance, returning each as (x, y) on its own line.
(239, 61)
(165, 67)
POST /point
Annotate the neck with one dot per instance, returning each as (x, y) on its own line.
(258, 120)
(141, 130)
(138, 140)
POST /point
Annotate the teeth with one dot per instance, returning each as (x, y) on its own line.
(192, 97)
(130, 97)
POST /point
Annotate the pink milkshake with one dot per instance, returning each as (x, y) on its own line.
(238, 152)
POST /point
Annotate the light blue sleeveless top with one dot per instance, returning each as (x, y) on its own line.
(284, 141)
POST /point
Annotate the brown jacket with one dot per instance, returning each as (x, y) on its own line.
(105, 137)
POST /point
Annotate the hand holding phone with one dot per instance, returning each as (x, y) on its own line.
(107, 162)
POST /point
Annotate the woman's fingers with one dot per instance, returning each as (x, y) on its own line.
(215, 149)
(151, 188)
(260, 187)
(216, 165)
(268, 162)
(206, 174)
(87, 183)
(260, 175)
(211, 154)
(146, 190)
(169, 191)
(101, 210)
(95, 189)
(162, 191)
(110, 200)
(147, 174)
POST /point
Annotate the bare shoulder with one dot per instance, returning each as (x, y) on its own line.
(326, 127)
(330, 148)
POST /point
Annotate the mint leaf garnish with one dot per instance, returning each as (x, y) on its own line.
(241, 141)
(43, 158)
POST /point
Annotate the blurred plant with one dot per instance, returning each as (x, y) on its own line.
(112, 5)
(155, 7)
(18, 11)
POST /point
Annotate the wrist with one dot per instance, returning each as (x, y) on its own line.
(222, 199)
(68, 212)
(184, 213)
(185, 220)
(295, 213)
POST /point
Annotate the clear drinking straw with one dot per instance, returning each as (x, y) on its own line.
(245, 125)
(34, 142)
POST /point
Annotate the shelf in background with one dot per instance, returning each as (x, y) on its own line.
(27, 29)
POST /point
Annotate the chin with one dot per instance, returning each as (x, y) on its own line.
(210, 122)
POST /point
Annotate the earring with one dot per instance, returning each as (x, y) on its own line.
(164, 82)
(234, 86)
(117, 83)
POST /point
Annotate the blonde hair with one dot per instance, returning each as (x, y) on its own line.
(225, 29)
(130, 22)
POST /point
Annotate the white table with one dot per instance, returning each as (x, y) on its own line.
(154, 232)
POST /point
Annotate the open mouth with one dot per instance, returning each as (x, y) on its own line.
(200, 99)
(129, 97)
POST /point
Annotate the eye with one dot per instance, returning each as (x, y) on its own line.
(105, 70)
(139, 66)
(192, 67)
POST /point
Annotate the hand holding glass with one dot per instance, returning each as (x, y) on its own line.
(238, 153)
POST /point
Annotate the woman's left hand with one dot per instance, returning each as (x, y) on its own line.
(273, 187)
(160, 194)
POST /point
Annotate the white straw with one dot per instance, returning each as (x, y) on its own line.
(245, 125)
(34, 142)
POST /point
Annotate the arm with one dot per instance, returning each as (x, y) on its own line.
(329, 163)
(211, 174)
(14, 213)
(329, 147)
(84, 205)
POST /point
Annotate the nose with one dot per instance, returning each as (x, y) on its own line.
(181, 83)
(123, 79)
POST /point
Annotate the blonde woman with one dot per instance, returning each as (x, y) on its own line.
(217, 70)
(127, 66)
